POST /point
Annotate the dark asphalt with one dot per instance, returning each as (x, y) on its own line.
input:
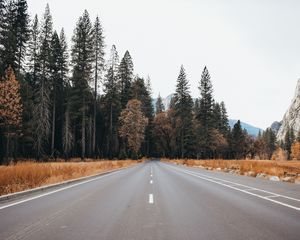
(187, 203)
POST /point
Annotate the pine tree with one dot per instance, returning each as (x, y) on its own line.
(141, 91)
(205, 114)
(33, 63)
(159, 106)
(42, 95)
(57, 97)
(126, 77)
(238, 141)
(8, 42)
(82, 61)
(22, 32)
(225, 128)
(98, 39)
(112, 104)
(183, 105)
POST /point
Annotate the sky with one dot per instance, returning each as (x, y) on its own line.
(250, 47)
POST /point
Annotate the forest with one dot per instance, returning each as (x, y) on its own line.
(61, 100)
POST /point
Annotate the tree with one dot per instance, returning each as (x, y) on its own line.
(126, 77)
(289, 140)
(57, 96)
(82, 62)
(206, 113)
(22, 32)
(111, 105)
(159, 105)
(42, 93)
(238, 141)
(98, 44)
(133, 124)
(33, 63)
(163, 132)
(183, 105)
(8, 42)
(10, 108)
(142, 92)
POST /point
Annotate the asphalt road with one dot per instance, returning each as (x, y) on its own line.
(158, 201)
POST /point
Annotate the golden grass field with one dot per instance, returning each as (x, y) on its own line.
(26, 175)
(274, 168)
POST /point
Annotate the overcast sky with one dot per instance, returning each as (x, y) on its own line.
(251, 47)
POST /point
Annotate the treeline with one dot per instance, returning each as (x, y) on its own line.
(51, 106)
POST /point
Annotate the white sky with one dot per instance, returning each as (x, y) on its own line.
(251, 47)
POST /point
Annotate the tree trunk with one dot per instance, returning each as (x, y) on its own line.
(53, 122)
(83, 132)
(95, 105)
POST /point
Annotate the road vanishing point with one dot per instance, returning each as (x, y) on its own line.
(156, 200)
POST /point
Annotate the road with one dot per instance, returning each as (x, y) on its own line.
(156, 200)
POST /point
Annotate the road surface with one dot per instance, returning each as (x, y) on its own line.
(156, 200)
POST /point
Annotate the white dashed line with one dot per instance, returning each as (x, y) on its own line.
(151, 201)
(151, 181)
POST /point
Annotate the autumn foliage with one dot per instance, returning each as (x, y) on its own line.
(10, 101)
(133, 124)
(295, 151)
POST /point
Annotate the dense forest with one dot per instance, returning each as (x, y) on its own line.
(51, 105)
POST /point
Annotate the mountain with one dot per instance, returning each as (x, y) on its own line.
(253, 131)
(291, 118)
(250, 129)
(276, 126)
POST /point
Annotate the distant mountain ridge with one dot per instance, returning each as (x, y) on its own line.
(252, 130)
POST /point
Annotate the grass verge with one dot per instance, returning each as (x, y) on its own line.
(27, 175)
(247, 167)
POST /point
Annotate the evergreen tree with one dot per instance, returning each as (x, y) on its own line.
(225, 128)
(33, 63)
(8, 42)
(183, 105)
(112, 105)
(82, 61)
(141, 92)
(98, 41)
(126, 77)
(57, 87)
(159, 105)
(206, 114)
(22, 32)
(42, 114)
(238, 141)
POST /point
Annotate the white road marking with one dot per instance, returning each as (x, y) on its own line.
(55, 191)
(216, 180)
(151, 181)
(151, 201)
(151, 175)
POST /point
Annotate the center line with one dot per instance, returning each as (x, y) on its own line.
(151, 181)
(151, 198)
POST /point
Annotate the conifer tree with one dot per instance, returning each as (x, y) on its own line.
(237, 141)
(22, 32)
(183, 105)
(112, 104)
(82, 61)
(42, 114)
(159, 105)
(98, 42)
(33, 64)
(205, 114)
(126, 77)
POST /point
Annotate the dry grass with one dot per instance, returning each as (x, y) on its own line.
(268, 167)
(27, 175)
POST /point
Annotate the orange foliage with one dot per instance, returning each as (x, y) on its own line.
(295, 151)
(10, 100)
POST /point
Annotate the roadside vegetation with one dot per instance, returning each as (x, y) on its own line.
(26, 175)
(288, 171)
